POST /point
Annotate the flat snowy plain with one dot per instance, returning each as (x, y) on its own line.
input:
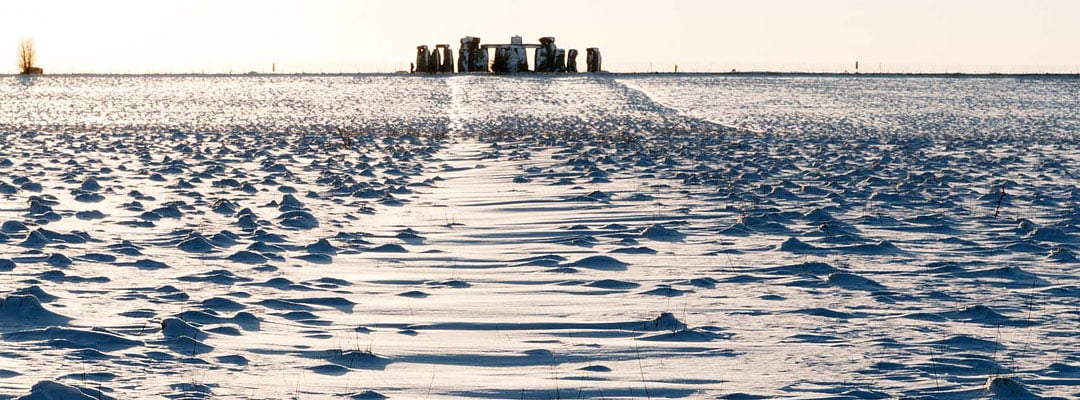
(539, 237)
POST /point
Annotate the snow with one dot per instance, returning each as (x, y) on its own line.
(539, 237)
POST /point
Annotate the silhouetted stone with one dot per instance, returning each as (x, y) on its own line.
(421, 59)
(470, 46)
(434, 61)
(592, 58)
(447, 65)
(545, 55)
(510, 58)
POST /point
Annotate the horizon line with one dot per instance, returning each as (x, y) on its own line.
(537, 74)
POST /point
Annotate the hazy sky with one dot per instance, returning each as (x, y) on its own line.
(348, 36)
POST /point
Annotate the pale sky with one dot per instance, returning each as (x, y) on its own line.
(118, 36)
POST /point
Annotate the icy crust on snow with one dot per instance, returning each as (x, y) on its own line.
(538, 237)
(868, 107)
(254, 106)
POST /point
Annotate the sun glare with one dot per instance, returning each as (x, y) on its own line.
(379, 36)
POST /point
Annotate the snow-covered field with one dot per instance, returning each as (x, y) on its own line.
(539, 237)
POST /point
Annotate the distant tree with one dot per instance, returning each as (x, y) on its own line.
(27, 58)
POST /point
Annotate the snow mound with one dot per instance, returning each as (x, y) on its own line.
(35, 240)
(853, 282)
(795, 245)
(806, 268)
(196, 244)
(173, 328)
(188, 346)
(247, 257)
(605, 263)
(613, 284)
(634, 250)
(298, 219)
(90, 185)
(58, 260)
(368, 395)
(38, 292)
(49, 390)
(13, 227)
(352, 359)
(323, 246)
(1001, 387)
(684, 335)
(315, 258)
(97, 339)
(665, 322)
(290, 203)
(389, 248)
(661, 233)
(1063, 255)
(148, 264)
(27, 309)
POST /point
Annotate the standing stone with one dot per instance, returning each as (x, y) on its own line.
(467, 52)
(480, 59)
(434, 61)
(501, 63)
(447, 65)
(545, 55)
(421, 59)
(592, 58)
(518, 61)
(510, 58)
(463, 57)
(571, 61)
(560, 61)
